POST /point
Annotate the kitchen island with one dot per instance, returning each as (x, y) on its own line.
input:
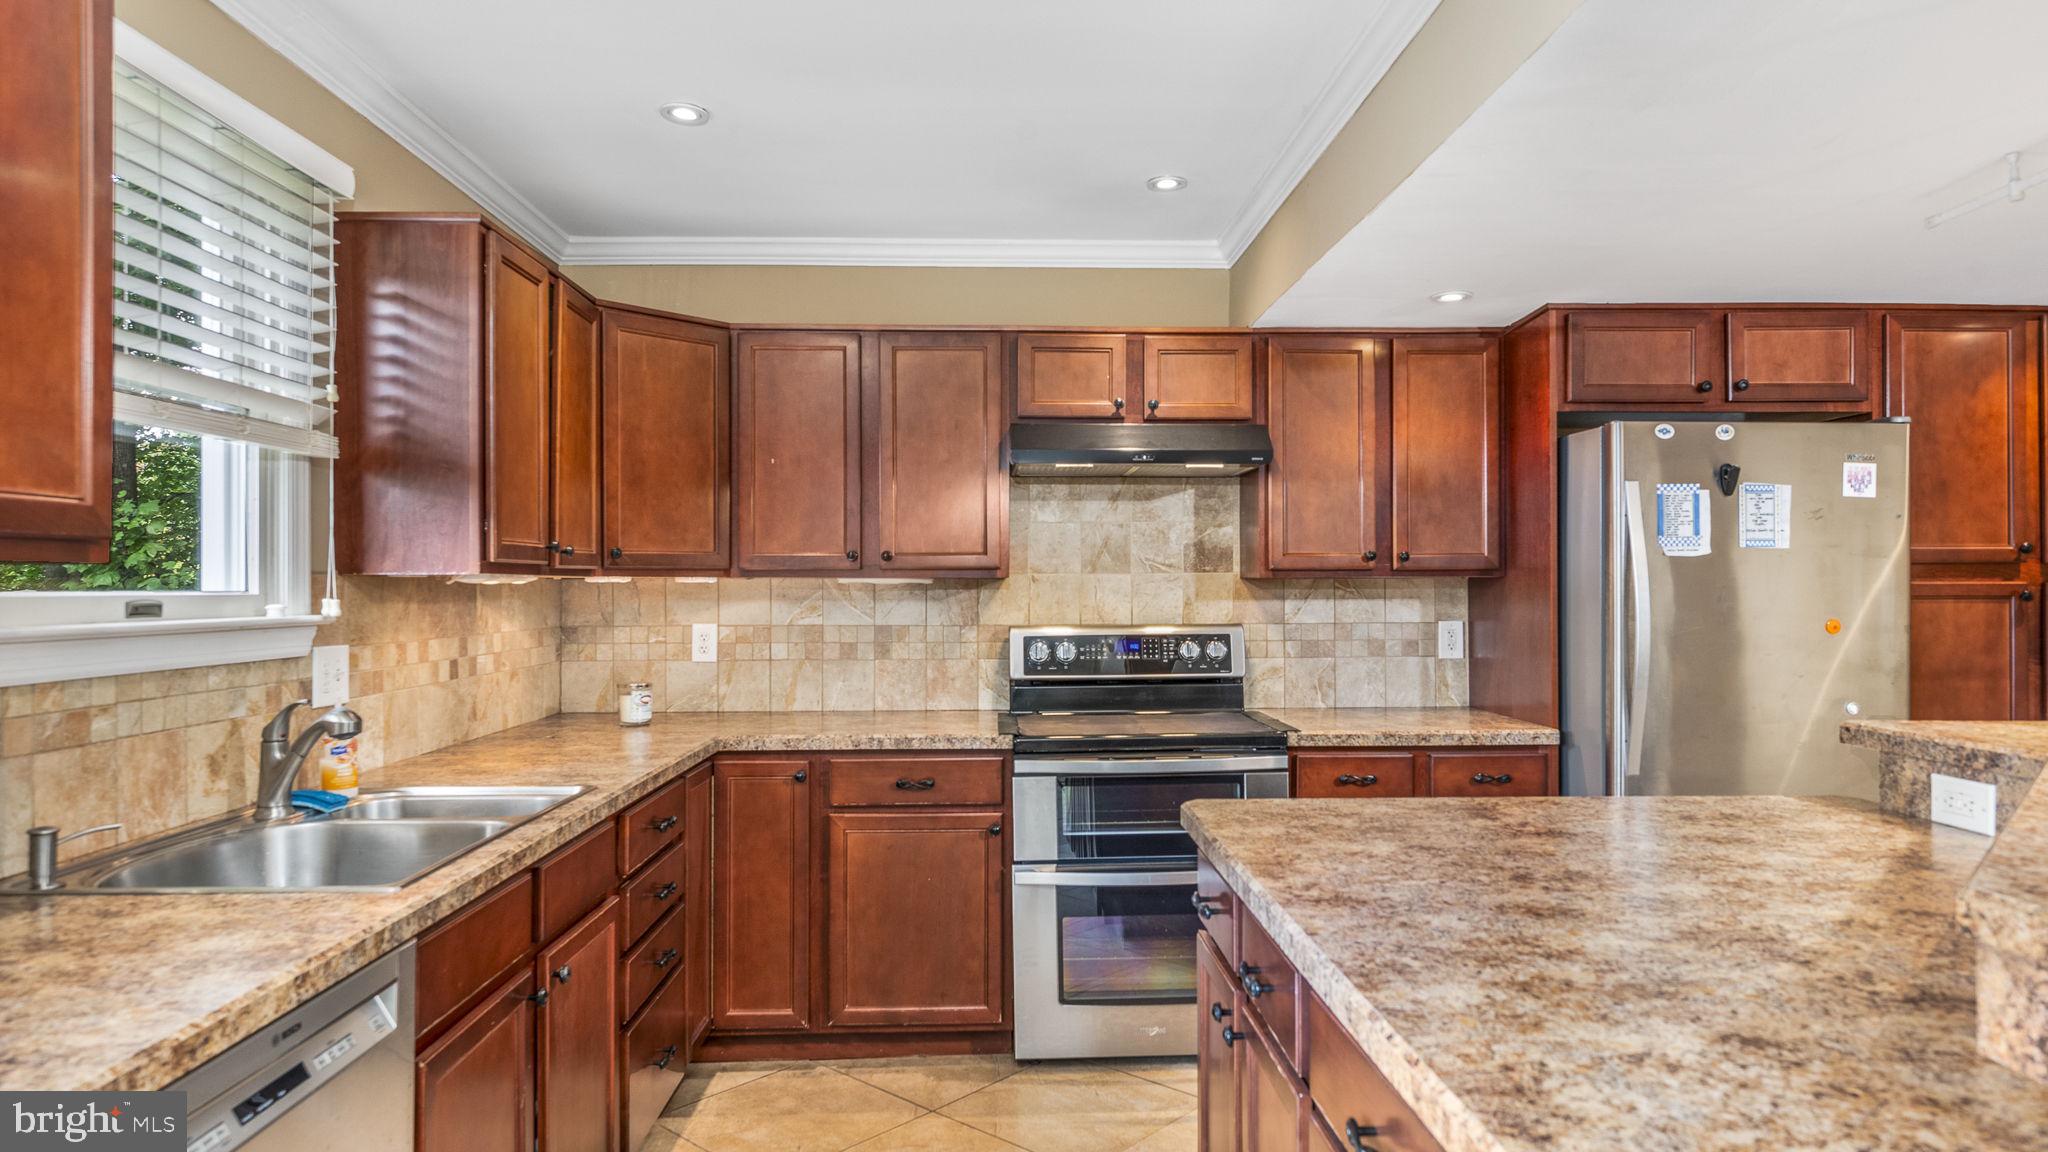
(1647, 973)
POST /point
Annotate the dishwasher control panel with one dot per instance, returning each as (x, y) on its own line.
(308, 1059)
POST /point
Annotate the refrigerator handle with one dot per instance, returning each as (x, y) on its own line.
(1639, 662)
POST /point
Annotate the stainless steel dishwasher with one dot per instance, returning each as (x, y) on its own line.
(334, 1074)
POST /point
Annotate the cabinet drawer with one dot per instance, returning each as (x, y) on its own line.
(1217, 906)
(478, 948)
(1489, 773)
(1353, 775)
(653, 1053)
(650, 826)
(576, 879)
(645, 967)
(657, 889)
(1267, 981)
(1346, 1087)
(868, 781)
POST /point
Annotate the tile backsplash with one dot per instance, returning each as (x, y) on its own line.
(1145, 551)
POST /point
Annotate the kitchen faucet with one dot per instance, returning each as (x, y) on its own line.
(281, 762)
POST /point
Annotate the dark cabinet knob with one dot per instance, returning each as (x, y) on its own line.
(1704, 386)
(2026, 594)
(617, 553)
(540, 998)
(1742, 385)
(1217, 1012)
(801, 776)
(853, 555)
(1248, 975)
(666, 957)
(562, 974)
(665, 891)
(667, 1054)
(1118, 403)
(1204, 907)
(995, 829)
(2026, 546)
(1401, 557)
(1365, 781)
(906, 784)
(1371, 556)
(1484, 778)
(568, 549)
(554, 546)
(1355, 1134)
(664, 824)
(887, 555)
(1231, 1035)
(1151, 405)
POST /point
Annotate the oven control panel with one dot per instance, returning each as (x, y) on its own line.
(1147, 653)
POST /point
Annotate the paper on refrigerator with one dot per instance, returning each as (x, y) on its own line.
(1764, 515)
(1685, 520)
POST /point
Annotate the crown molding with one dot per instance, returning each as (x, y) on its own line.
(1374, 51)
(296, 34)
(859, 251)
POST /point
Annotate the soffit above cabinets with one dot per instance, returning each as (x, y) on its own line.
(1751, 150)
(913, 132)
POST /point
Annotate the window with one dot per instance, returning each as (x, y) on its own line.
(223, 315)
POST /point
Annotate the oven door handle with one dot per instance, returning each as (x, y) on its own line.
(1054, 877)
(1149, 766)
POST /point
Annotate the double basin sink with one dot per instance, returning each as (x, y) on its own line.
(381, 842)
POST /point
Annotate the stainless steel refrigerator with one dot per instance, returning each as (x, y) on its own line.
(1730, 594)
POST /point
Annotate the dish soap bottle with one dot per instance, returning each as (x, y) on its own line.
(338, 767)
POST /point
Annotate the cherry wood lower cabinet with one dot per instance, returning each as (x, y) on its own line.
(1977, 650)
(1215, 1049)
(475, 1085)
(576, 1052)
(1356, 773)
(761, 919)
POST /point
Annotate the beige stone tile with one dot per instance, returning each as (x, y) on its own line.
(17, 809)
(1106, 599)
(849, 603)
(743, 601)
(1179, 1136)
(934, 1133)
(1311, 682)
(743, 685)
(1055, 551)
(1310, 601)
(1360, 683)
(794, 686)
(1213, 548)
(1176, 1072)
(995, 685)
(587, 686)
(1006, 602)
(220, 766)
(150, 778)
(692, 686)
(1055, 599)
(1453, 684)
(899, 685)
(1068, 1107)
(1451, 599)
(1213, 600)
(710, 1079)
(1160, 599)
(1409, 600)
(899, 604)
(692, 603)
(955, 603)
(1265, 682)
(928, 1081)
(804, 1109)
(1411, 681)
(76, 788)
(952, 684)
(847, 685)
(585, 603)
(1106, 548)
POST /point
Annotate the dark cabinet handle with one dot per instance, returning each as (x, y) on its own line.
(1151, 405)
(1248, 975)
(1401, 557)
(1483, 778)
(568, 549)
(1217, 1012)
(801, 776)
(1365, 781)
(665, 891)
(617, 553)
(1119, 404)
(1355, 1134)
(667, 1054)
(1742, 385)
(2026, 546)
(853, 555)
(554, 545)
(1231, 1035)
(664, 824)
(995, 829)
(1371, 556)
(540, 998)
(2026, 594)
(1704, 386)
(562, 974)
(887, 556)
(666, 957)
(1204, 906)
(906, 784)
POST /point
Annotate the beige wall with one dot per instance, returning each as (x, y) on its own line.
(1134, 297)
(1465, 51)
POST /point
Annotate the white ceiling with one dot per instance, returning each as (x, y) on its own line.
(885, 131)
(1782, 150)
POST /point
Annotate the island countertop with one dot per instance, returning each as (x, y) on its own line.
(1636, 974)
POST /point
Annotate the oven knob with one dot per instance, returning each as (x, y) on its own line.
(1217, 650)
(1038, 651)
(1189, 649)
(1065, 651)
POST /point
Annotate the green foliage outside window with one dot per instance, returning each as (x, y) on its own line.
(156, 524)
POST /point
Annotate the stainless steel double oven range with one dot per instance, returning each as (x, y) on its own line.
(1113, 731)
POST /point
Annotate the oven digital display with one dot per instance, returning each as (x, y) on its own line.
(1131, 645)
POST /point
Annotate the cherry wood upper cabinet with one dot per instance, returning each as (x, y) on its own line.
(1630, 356)
(914, 918)
(939, 496)
(1976, 652)
(1445, 489)
(1198, 377)
(577, 494)
(1800, 355)
(56, 290)
(761, 920)
(667, 431)
(1318, 502)
(1971, 383)
(516, 408)
(576, 1050)
(474, 1087)
(798, 464)
(1072, 375)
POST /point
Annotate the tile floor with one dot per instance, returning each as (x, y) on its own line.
(932, 1104)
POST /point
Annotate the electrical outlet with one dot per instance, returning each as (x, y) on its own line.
(330, 675)
(704, 643)
(1450, 639)
(1967, 804)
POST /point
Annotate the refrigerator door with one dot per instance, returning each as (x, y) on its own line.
(1737, 631)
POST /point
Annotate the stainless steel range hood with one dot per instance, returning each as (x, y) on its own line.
(1046, 448)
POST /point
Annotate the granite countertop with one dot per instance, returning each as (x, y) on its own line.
(1397, 727)
(1644, 973)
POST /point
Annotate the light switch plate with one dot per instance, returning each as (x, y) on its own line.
(1967, 804)
(330, 675)
(1450, 639)
(704, 643)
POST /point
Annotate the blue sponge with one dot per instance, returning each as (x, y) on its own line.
(314, 800)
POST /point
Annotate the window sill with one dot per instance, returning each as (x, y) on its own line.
(83, 651)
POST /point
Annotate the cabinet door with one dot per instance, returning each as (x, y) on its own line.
(577, 1047)
(797, 481)
(56, 291)
(577, 500)
(517, 307)
(475, 1084)
(1215, 1051)
(696, 847)
(1970, 382)
(1321, 493)
(1353, 775)
(1272, 1103)
(1490, 773)
(667, 427)
(941, 495)
(1198, 377)
(914, 918)
(761, 919)
(1802, 356)
(1070, 375)
(1445, 490)
(1642, 357)
(1976, 650)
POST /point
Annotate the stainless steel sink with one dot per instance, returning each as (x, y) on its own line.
(313, 854)
(453, 803)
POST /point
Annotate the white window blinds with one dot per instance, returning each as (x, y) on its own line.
(223, 278)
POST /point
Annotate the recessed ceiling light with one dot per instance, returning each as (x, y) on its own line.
(1167, 183)
(1452, 297)
(690, 114)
